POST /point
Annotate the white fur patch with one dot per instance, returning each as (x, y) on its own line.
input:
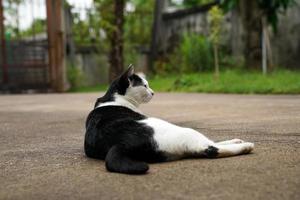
(122, 101)
(177, 140)
(234, 149)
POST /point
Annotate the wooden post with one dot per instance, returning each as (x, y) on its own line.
(264, 46)
(56, 44)
(158, 10)
(264, 53)
(3, 46)
(269, 48)
(216, 56)
(50, 43)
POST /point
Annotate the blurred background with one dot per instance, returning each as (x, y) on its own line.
(225, 46)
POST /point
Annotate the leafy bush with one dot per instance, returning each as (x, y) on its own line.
(75, 77)
(196, 52)
(168, 64)
(193, 54)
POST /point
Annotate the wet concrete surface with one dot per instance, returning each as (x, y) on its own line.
(41, 149)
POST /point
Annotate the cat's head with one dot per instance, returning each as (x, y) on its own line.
(130, 86)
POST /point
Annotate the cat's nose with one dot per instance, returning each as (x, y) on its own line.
(152, 93)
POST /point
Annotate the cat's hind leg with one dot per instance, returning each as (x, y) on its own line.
(178, 142)
(181, 143)
(220, 151)
(233, 141)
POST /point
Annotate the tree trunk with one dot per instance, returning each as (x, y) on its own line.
(116, 52)
(251, 18)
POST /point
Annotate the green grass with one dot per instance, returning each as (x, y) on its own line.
(230, 81)
(233, 81)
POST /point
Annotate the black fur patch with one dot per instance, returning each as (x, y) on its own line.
(117, 160)
(113, 134)
(211, 152)
(119, 86)
(136, 80)
(108, 95)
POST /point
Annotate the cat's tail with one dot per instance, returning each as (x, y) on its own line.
(117, 160)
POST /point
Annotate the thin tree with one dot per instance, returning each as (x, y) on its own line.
(116, 41)
(215, 19)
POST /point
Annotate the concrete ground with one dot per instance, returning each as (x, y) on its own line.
(41, 149)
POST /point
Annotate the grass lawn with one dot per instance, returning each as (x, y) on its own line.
(230, 81)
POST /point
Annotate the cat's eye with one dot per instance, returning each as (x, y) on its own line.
(145, 86)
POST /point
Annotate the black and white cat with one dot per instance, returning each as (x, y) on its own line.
(118, 132)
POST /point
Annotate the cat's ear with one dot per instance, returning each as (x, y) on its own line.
(129, 72)
(124, 81)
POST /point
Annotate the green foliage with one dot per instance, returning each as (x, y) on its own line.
(137, 25)
(85, 32)
(75, 77)
(138, 22)
(269, 8)
(228, 5)
(37, 26)
(193, 3)
(137, 28)
(272, 8)
(215, 18)
(196, 53)
(11, 7)
(169, 64)
(105, 9)
(231, 81)
(80, 31)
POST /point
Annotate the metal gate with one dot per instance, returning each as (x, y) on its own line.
(24, 62)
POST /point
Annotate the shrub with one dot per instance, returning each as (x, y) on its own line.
(194, 54)
(75, 77)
